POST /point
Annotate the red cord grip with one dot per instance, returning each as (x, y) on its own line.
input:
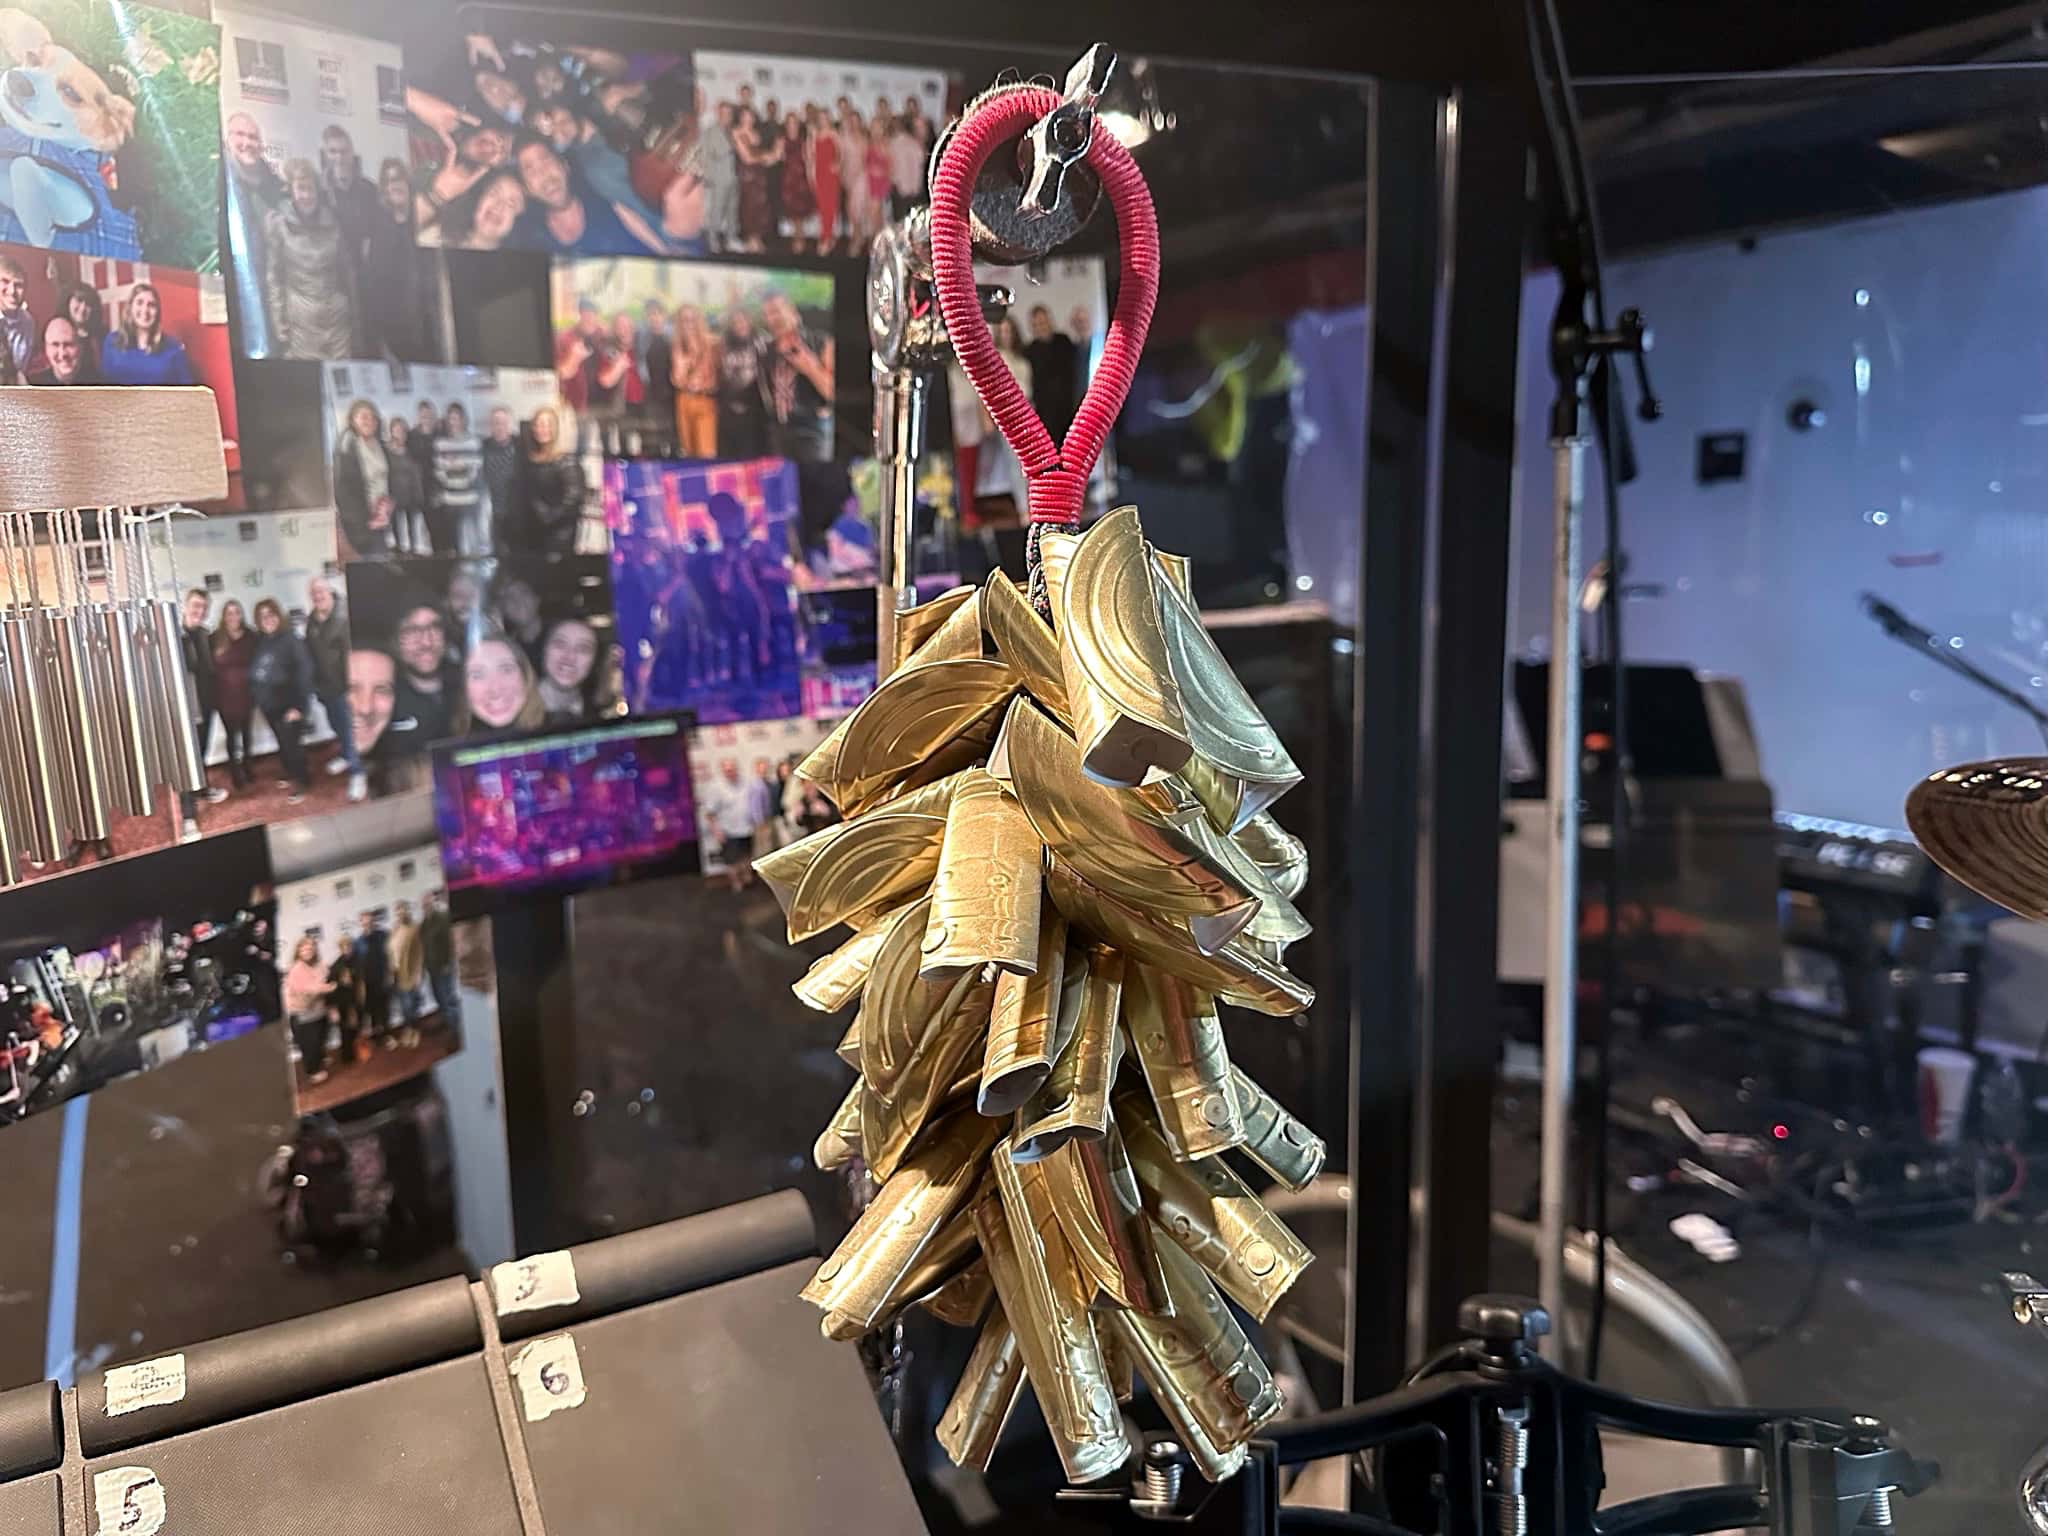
(1056, 473)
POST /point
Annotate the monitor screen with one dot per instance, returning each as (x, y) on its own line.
(550, 812)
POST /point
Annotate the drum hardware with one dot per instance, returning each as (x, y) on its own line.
(1579, 349)
(908, 337)
(1488, 1436)
(1025, 205)
(2030, 1310)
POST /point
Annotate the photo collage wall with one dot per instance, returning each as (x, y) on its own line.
(543, 386)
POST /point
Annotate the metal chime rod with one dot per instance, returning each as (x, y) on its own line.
(36, 775)
(1561, 973)
(900, 395)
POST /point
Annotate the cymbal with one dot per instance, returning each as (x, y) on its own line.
(1986, 824)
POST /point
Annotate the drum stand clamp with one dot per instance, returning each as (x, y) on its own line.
(2030, 1310)
(1490, 1437)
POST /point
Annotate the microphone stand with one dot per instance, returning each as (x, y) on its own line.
(1576, 350)
(1924, 643)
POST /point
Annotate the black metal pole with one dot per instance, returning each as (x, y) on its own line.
(537, 1064)
(1462, 772)
(1385, 726)
(1449, 220)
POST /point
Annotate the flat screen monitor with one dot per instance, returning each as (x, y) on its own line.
(540, 814)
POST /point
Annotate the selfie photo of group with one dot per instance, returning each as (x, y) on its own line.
(566, 151)
(448, 648)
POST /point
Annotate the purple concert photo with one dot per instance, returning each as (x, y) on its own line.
(548, 813)
(702, 586)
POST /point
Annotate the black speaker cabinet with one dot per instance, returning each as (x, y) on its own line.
(374, 1419)
(710, 1401)
(31, 1445)
(665, 1380)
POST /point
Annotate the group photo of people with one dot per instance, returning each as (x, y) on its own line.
(322, 254)
(445, 648)
(1048, 341)
(726, 362)
(807, 156)
(704, 585)
(70, 319)
(750, 800)
(265, 635)
(370, 991)
(564, 151)
(452, 461)
(130, 970)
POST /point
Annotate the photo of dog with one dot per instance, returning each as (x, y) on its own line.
(61, 125)
(99, 103)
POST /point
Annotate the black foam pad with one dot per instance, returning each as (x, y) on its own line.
(677, 1256)
(417, 1454)
(290, 1361)
(32, 1507)
(31, 1430)
(726, 1404)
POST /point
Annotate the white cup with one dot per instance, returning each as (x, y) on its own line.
(1945, 1077)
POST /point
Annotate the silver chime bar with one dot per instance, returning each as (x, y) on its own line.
(96, 701)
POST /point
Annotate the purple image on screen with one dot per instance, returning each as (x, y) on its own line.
(554, 813)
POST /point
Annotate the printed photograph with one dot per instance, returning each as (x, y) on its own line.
(565, 151)
(842, 525)
(1049, 340)
(319, 196)
(120, 968)
(545, 815)
(263, 635)
(70, 319)
(810, 156)
(729, 362)
(749, 800)
(451, 461)
(839, 632)
(368, 971)
(266, 641)
(447, 648)
(112, 142)
(703, 583)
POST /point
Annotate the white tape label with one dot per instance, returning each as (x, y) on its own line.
(127, 1501)
(146, 1384)
(550, 1377)
(532, 1284)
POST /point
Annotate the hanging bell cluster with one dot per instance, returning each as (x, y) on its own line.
(95, 710)
(1057, 861)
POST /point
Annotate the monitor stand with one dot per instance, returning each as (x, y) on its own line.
(537, 1045)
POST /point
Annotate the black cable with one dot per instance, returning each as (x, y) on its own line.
(1686, 1512)
(1297, 1520)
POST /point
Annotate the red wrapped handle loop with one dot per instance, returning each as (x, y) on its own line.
(1056, 473)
